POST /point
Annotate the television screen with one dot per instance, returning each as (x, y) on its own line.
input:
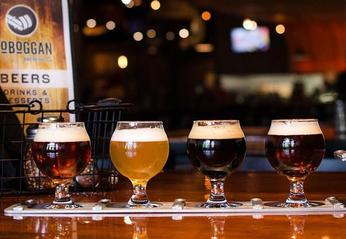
(243, 41)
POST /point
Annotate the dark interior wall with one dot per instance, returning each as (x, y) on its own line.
(168, 82)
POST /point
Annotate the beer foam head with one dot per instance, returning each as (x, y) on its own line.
(139, 135)
(216, 130)
(66, 134)
(294, 127)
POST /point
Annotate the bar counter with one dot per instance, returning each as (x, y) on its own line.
(190, 185)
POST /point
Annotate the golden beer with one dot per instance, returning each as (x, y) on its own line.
(139, 161)
(139, 150)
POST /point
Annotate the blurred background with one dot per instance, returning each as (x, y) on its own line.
(191, 59)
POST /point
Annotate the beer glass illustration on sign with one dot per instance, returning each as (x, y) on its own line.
(216, 148)
(139, 150)
(295, 148)
(61, 151)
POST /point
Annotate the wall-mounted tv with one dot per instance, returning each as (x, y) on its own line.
(246, 41)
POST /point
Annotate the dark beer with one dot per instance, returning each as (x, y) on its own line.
(61, 160)
(216, 148)
(216, 158)
(295, 148)
(295, 155)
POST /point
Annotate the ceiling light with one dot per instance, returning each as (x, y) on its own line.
(138, 36)
(155, 5)
(126, 1)
(122, 61)
(170, 36)
(249, 24)
(280, 29)
(206, 15)
(130, 4)
(184, 33)
(151, 33)
(110, 25)
(91, 23)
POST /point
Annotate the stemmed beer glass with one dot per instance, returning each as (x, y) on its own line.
(139, 150)
(216, 148)
(61, 151)
(295, 148)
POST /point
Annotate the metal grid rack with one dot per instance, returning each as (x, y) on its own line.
(100, 120)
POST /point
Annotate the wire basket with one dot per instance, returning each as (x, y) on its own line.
(19, 174)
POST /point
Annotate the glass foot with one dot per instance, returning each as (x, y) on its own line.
(306, 204)
(149, 204)
(219, 205)
(57, 205)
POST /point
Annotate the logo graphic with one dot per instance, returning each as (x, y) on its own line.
(21, 20)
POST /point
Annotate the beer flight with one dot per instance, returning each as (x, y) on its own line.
(139, 151)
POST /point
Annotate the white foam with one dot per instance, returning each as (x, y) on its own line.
(221, 131)
(62, 135)
(139, 135)
(294, 127)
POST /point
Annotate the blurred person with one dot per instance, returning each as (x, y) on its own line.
(298, 92)
(341, 85)
(10, 148)
(211, 94)
(340, 112)
(329, 81)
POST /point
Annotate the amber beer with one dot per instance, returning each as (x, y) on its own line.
(140, 153)
(61, 153)
(295, 149)
(216, 150)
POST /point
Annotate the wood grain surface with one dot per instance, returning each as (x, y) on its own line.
(168, 186)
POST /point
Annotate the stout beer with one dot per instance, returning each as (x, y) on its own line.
(216, 150)
(295, 149)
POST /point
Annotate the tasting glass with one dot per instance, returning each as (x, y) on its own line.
(61, 151)
(295, 148)
(139, 151)
(216, 148)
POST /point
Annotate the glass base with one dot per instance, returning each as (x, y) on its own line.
(64, 205)
(306, 204)
(219, 205)
(149, 204)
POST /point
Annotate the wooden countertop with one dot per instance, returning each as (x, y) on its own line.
(190, 185)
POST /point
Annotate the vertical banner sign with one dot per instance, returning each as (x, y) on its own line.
(35, 52)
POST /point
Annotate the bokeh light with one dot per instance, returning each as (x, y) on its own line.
(91, 23)
(122, 61)
(280, 29)
(184, 33)
(138, 36)
(206, 16)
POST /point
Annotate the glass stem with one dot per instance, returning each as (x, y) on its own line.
(296, 194)
(139, 195)
(217, 194)
(62, 194)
